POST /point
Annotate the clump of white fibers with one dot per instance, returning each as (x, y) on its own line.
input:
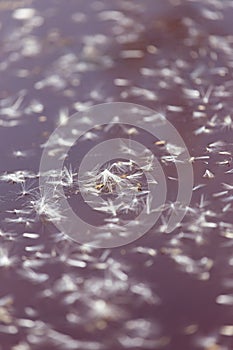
(116, 189)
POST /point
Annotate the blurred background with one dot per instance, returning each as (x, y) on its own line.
(164, 291)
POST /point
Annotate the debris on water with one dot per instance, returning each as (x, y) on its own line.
(174, 57)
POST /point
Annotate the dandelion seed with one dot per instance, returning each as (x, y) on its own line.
(121, 82)
(68, 176)
(26, 189)
(212, 15)
(17, 177)
(9, 329)
(198, 114)
(79, 106)
(21, 154)
(35, 248)
(191, 93)
(226, 208)
(63, 116)
(147, 94)
(24, 13)
(175, 108)
(201, 158)
(174, 149)
(219, 194)
(195, 188)
(89, 136)
(225, 299)
(145, 293)
(145, 250)
(207, 94)
(8, 235)
(76, 263)
(132, 54)
(202, 130)
(19, 220)
(227, 199)
(10, 123)
(10, 107)
(160, 143)
(46, 206)
(33, 276)
(5, 259)
(19, 211)
(208, 174)
(216, 146)
(227, 330)
(31, 235)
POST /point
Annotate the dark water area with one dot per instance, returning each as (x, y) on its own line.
(171, 291)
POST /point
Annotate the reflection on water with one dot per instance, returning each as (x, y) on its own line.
(164, 291)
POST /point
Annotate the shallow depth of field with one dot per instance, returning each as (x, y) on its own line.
(164, 291)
